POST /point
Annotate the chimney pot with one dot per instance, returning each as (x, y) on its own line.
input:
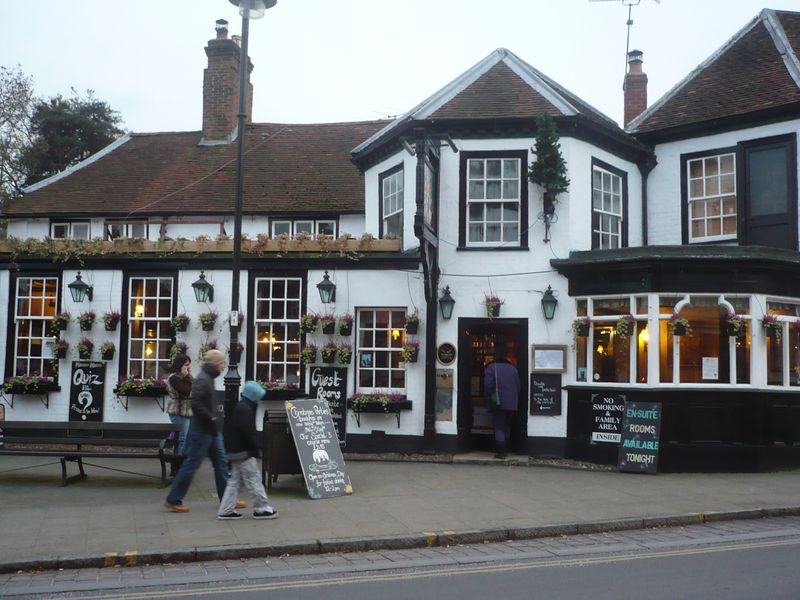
(222, 29)
(635, 87)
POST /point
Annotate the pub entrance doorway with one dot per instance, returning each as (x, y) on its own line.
(477, 339)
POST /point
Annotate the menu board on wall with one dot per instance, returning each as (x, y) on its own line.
(320, 456)
(330, 384)
(607, 410)
(86, 391)
(641, 430)
(545, 394)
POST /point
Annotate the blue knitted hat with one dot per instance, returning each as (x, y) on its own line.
(253, 391)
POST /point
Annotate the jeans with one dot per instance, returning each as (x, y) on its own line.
(244, 473)
(200, 445)
(183, 433)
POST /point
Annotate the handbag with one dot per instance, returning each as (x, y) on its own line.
(494, 395)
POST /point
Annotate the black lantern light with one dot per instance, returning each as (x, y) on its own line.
(203, 290)
(549, 302)
(446, 303)
(79, 289)
(327, 290)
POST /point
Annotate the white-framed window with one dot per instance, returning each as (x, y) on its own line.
(150, 312)
(783, 348)
(493, 199)
(711, 193)
(392, 195)
(277, 329)
(128, 230)
(381, 335)
(607, 208)
(35, 306)
(76, 230)
(308, 227)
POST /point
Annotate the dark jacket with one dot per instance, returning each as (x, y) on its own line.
(508, 386)
(241, 437)
(203, 407)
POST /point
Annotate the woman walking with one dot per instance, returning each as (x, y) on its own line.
(179, 407)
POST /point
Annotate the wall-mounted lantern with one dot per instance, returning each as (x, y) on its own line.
(446, 303)
(79, 289)
(549, 302)
(203, 291)
(327, 290)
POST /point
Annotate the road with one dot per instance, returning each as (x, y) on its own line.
(731, 560)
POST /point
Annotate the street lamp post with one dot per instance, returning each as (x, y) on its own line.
(248, 9)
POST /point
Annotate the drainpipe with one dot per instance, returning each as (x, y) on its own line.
(644, 168)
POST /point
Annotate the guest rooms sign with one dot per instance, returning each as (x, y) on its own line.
(330, 384)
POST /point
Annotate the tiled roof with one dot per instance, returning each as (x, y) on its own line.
(288, 169)
(757, 69)
(500, 86)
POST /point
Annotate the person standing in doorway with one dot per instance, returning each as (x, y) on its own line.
(501, 377)
(241, 440)
(204, 437)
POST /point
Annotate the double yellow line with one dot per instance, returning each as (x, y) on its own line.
(453, 570)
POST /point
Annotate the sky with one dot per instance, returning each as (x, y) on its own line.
(319, 61)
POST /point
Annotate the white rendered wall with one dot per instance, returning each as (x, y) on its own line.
(373, 195)
(664, 182)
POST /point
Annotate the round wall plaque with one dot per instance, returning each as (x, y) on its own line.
(446, 353)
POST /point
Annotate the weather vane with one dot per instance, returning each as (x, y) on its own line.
(630, 4)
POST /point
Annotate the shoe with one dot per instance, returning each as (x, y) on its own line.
(269, 513)
(178, 508)
(241, 504)
(231, 516)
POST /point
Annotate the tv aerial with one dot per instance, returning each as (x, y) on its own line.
(630, 4)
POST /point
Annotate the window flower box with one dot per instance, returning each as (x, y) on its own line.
(281, 390)
(26, 384)
(378, 403)
(147, 387)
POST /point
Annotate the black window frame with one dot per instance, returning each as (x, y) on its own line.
(522, 155)
(623, 175)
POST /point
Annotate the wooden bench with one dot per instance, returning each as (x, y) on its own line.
(81, 439)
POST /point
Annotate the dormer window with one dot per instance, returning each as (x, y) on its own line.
(76, 230)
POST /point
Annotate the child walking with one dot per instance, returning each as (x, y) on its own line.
(241, 441)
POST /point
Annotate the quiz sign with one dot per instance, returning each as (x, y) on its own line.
(641, 429)
(86, 391)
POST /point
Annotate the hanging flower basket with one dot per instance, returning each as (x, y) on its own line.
(772, 327)
(309, 323)
(329, 351)
(85, 347)
(60, 348)
(59, 323)
(111, 320)
(580, 327)
(625, 327)
(308, 355)
(328, 324)
(735, 325)
(412, 323)
(679, 326)
(107, 351)
(345, 325)
(176, 349)
(411, 352)
(86, 320)
(208, 320)
(345, 354)
(492, 304)
(181, 322)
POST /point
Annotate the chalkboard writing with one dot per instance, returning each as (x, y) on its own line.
(86, 391)
(641, 429)
(330, 384)
(607, 412)
(546, 394)
(320, 456)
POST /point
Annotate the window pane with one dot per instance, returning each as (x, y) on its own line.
(476, 169)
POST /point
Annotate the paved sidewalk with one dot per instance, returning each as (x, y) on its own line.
(117, 518)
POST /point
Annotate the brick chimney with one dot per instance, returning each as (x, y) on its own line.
(221, 87)
(635, 87)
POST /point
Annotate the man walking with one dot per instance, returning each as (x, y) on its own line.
(242, 441)
(204, 437)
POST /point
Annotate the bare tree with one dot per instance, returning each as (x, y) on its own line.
(16, 107)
